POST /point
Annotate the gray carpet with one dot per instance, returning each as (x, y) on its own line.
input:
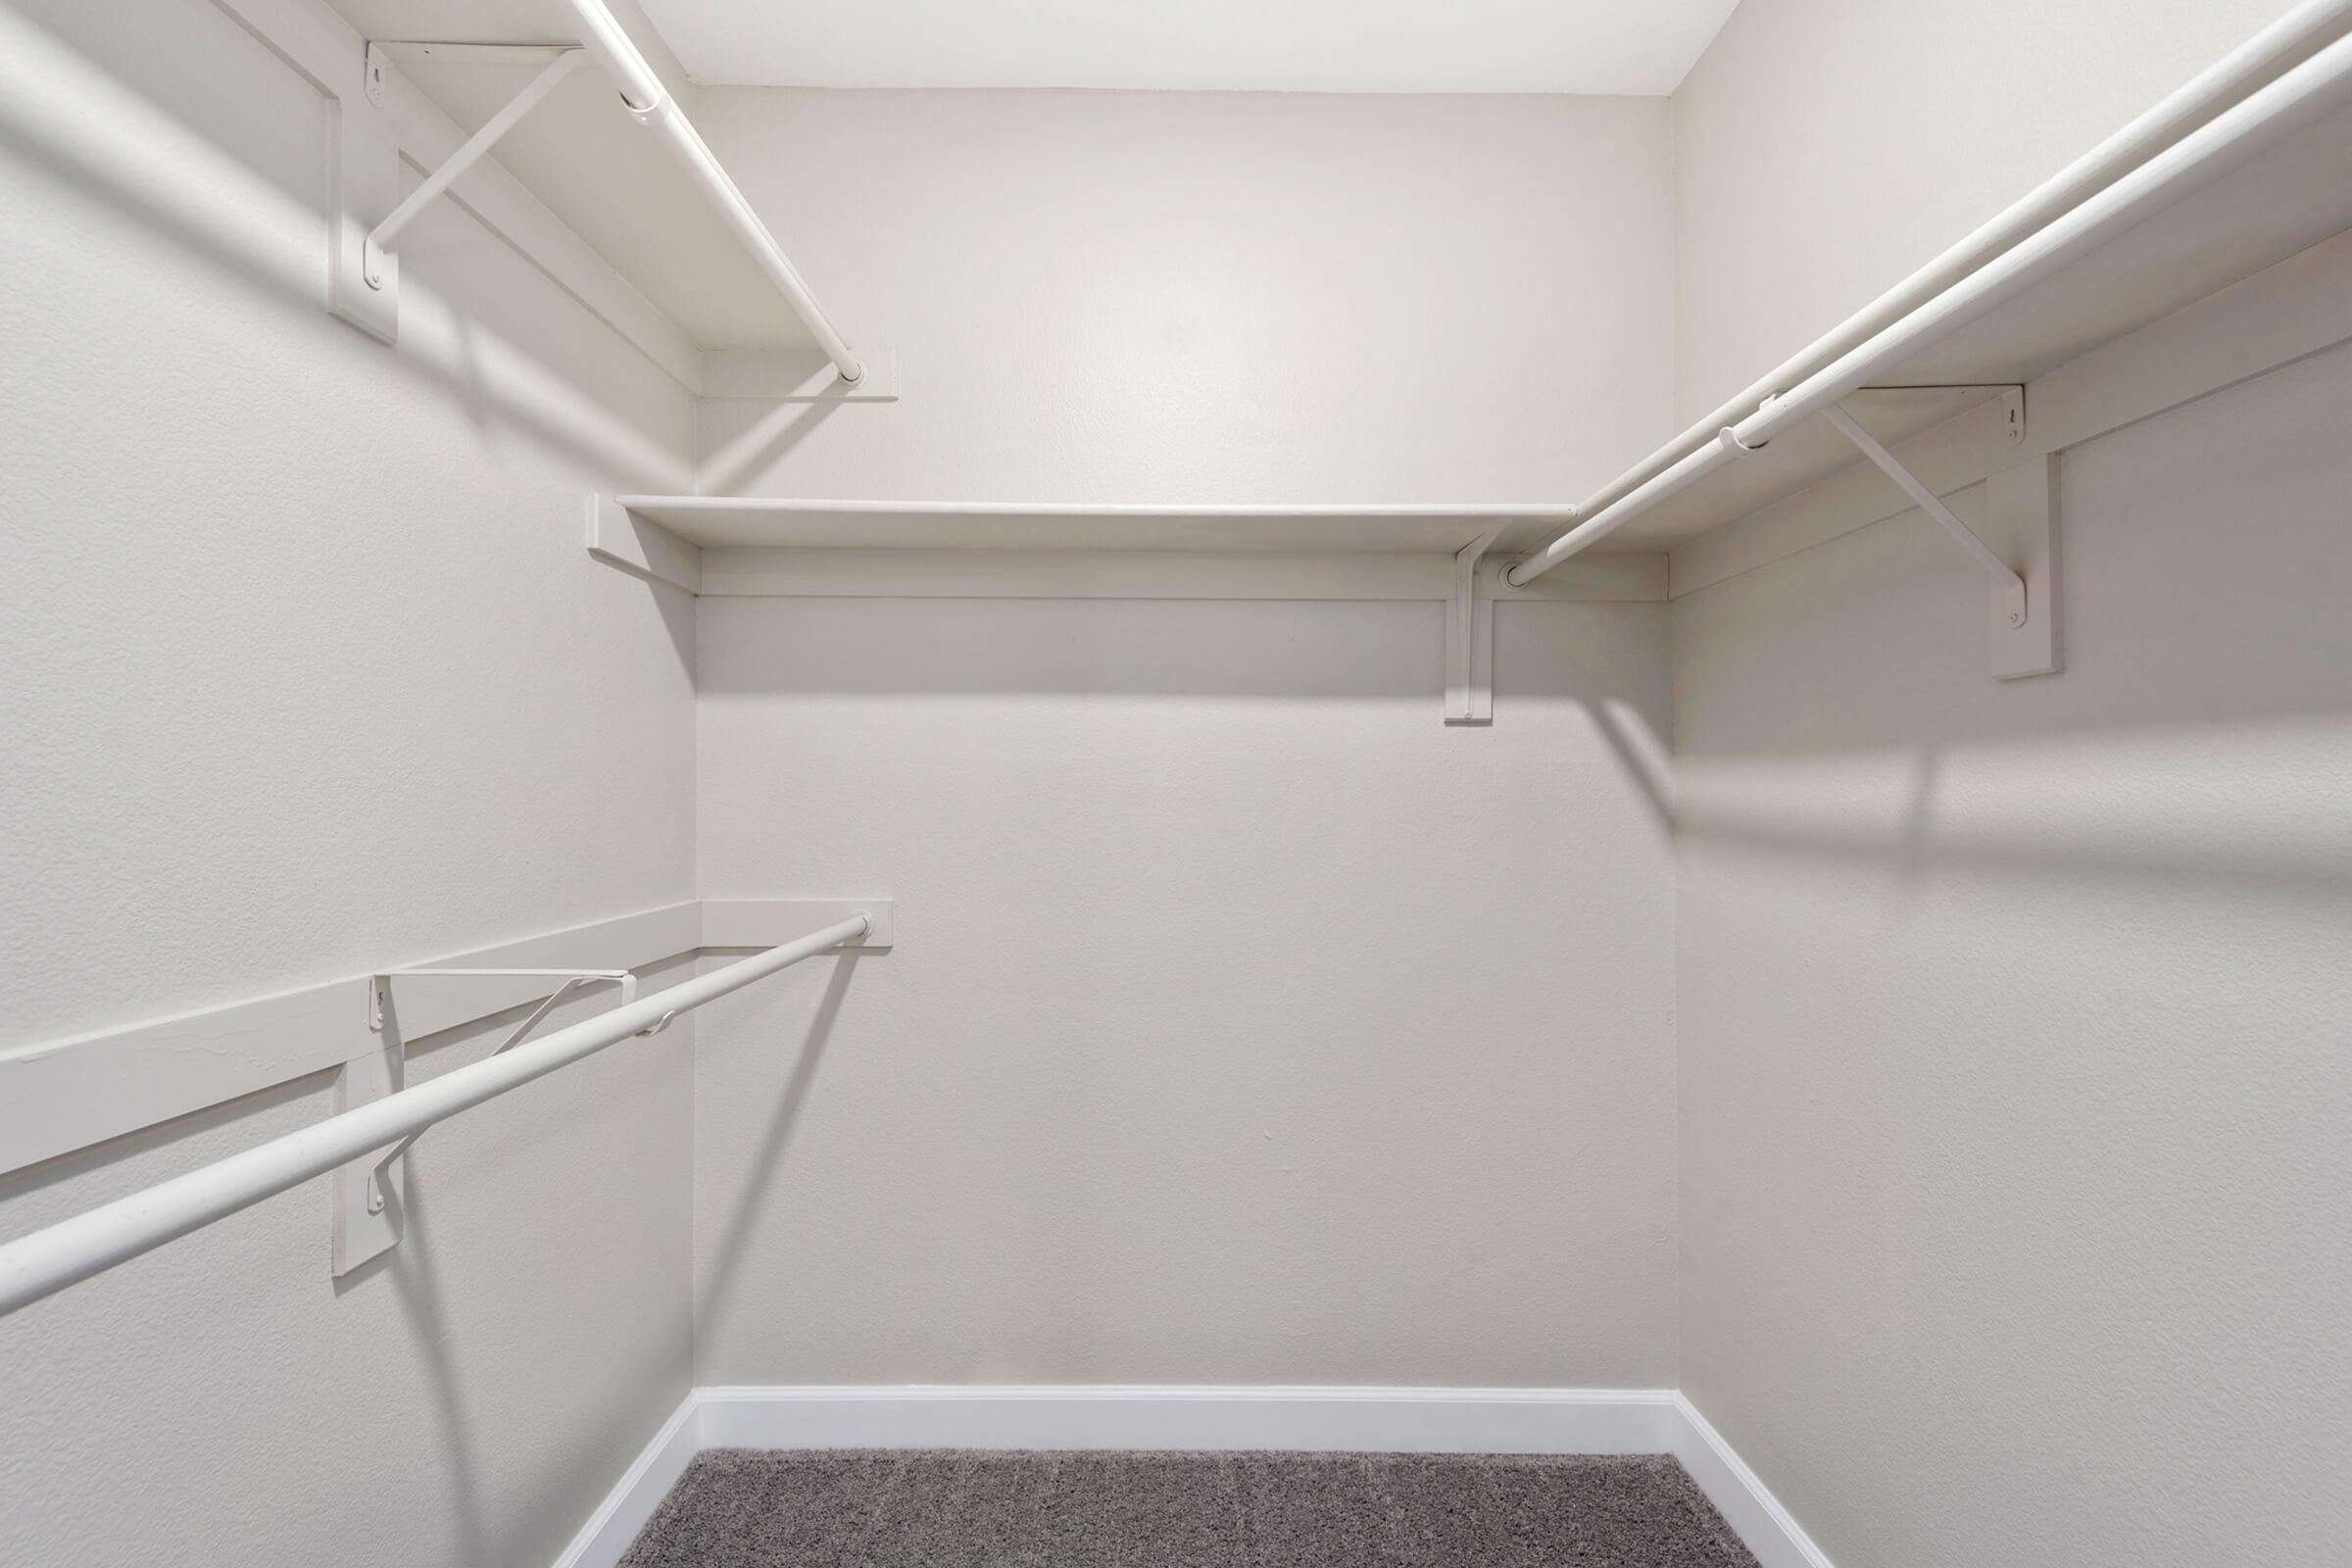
(740, 1508)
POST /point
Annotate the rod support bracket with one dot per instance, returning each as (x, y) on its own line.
(2020, 507)
(382, 239)
(369, 1192)
(1470, 637)
(2021, 514)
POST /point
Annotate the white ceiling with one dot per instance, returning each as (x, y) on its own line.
(1569, 46)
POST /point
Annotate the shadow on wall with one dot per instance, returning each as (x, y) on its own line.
(425, 1308)
(1835, 704)
(1644, 756)
(100, 135)
(2252, 806)
(759, 1190)
(405, 1365)
(1326, 650)
(768, 439)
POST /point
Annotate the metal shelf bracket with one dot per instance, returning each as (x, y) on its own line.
(2013, 400)
(375, 266)
(369, 1192)
(1470, 639)
(2019, 504)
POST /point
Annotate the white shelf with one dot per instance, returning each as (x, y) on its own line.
(2272, 207)
(599, 172)
(2201, 288)
(2137, 288)
(1009, 550)
(735, 523)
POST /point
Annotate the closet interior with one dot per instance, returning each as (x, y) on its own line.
(1617, 739)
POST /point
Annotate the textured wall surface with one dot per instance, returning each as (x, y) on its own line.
(2014, 1086)
(308, 674)
(1825, 148)
(1222, 296)
(1198, 1059)
(2015, 1083)
(1246, 1024)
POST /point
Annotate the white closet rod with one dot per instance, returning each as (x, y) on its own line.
(2161, 154)
(647, 99)
(74, 1249)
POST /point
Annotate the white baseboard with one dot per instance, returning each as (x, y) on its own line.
(633, 1499)
(1754, 1514)
(1308, 1419)
(1360, 1420)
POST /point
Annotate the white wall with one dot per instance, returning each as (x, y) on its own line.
(1217, 297)
(2013, 1074)
(311, 677)
(1827, 148)
(1246, 1025)
(2011, 1053)
(2015, 1089)
(308, 675)
(1212, 1051)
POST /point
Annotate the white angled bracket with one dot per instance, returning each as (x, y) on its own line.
(2024, 601)
(367, 186)
(369, 1192)
(2012, 394)
(377, 269)
(1470, 639)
